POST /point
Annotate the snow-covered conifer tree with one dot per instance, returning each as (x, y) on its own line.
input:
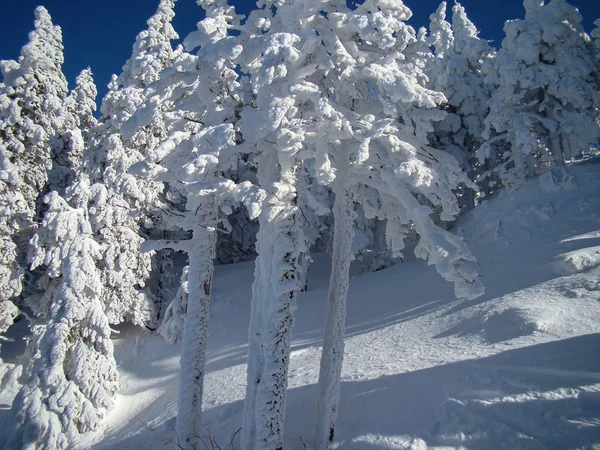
(30, 105)
(14, 215)
(76, 121)
(204, 95)
(281, 50)
(112, 194)
(72, 379)
(456, 71)
(369, 129)
(546, 96)
(31, 98)
(440, 32)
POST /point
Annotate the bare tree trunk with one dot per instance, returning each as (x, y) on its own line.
(332, 355)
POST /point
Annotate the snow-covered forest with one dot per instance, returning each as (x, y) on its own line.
(233, 251)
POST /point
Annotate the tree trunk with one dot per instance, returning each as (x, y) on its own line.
(255, 352)
(332, 355)
(195, 329)
(281, 242)
(560, 175)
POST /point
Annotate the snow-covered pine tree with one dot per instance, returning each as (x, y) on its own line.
(205, 97)
(31, 98)
(456, 71)
(76, 121)
(546, 97)
(110, 193)
(14, 216)
(281, 51)
(370, 133)
(30, 105)
(72, 379)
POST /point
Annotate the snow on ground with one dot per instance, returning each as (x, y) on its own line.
(516, 369)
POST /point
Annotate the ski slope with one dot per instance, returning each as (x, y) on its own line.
(518, 368)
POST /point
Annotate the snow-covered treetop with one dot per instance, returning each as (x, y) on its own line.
(44, 50)
(466, 39)
(152, 49)
(31, 103)
(441, 37)
(546, 74)
(81, 101)
(152, 52)
(39, 65)
(220, 18)
(531, 6)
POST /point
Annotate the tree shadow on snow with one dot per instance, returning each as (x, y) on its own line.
(545, 396)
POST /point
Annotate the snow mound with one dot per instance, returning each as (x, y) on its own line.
(539, 309)
(578, 260)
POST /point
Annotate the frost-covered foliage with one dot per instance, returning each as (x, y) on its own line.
(547, 97)
(204, 98)
(457, 72)
(441, 33)
(123, 268)
(14, 216)
(368, 133)
(72, 379)
(30, 104)
(274, 128)
(171, 327)
(31, 98)
(122, 208)
(76, 121)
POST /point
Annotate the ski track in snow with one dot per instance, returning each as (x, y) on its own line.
(515, 369)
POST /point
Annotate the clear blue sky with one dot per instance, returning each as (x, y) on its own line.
(100, 33)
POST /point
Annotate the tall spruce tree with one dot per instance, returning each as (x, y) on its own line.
(71, 379)
(112, 194)
(203, 94)
(31, 99)
(457, 72)
(546, 99)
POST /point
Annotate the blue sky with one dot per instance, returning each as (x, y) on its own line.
(100, 34)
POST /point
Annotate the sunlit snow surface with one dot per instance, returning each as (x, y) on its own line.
(516, 369)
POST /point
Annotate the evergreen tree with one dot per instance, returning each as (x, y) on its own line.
(194, 160)
(14, 215)
(30, 106)
(369, 133)
(112, 194)
(31, 98)
(280, 51)
(76, 120)
(457, 72)
(546, 99)
(72, 378)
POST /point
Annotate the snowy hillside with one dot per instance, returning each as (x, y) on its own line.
(250, 246)
(517, 368)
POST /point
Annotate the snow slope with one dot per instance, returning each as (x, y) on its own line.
(516, 369)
